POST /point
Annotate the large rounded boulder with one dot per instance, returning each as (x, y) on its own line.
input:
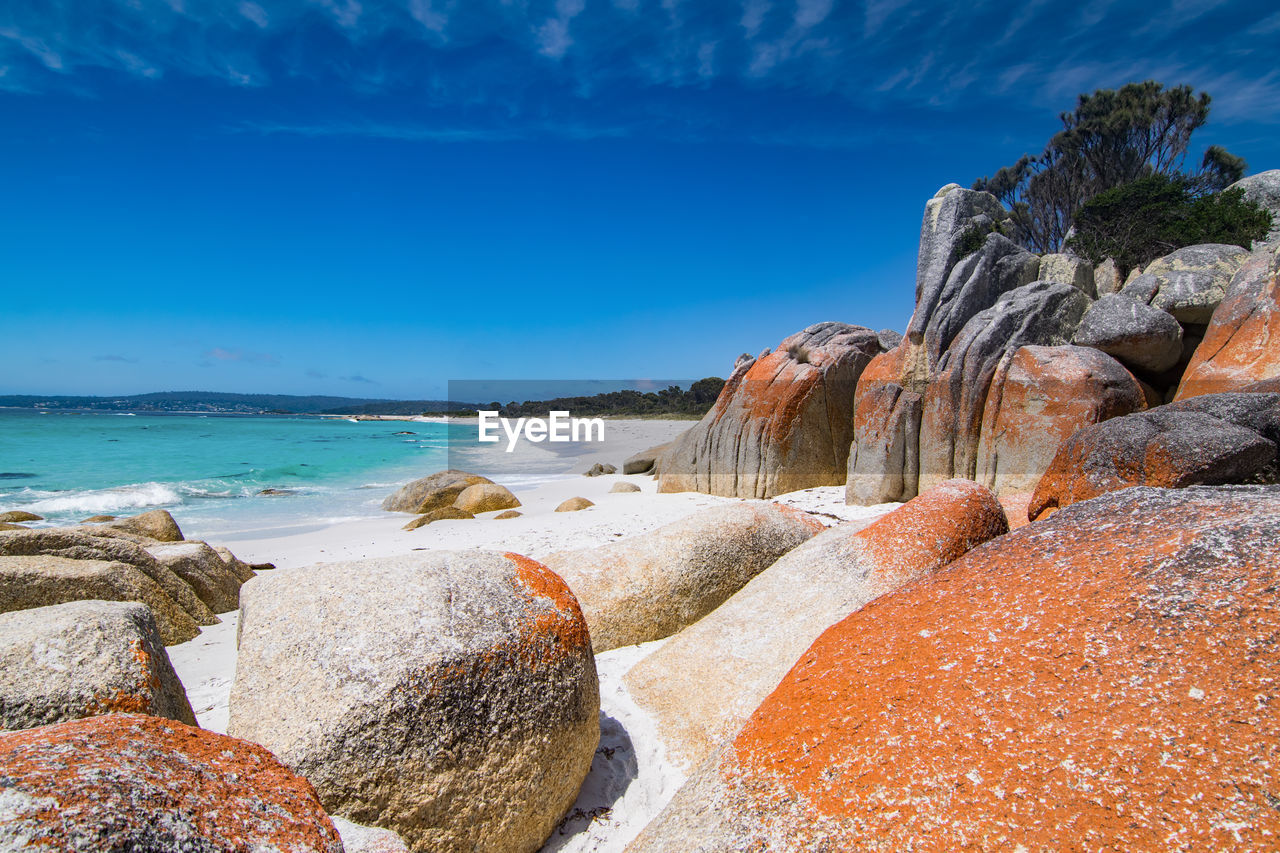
(435, 491)
(449, 696)
(650, 586)
(743, 649)
(1103, 680)
(125, 782)
(82, 659)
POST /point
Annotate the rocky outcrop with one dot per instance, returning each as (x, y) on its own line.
(435, 491)
(1139, 336)
(449, 696)
(1040, 313)
(485, 497)
(884, 462)
(737, 654)
(214, 580)
(646, 461)
(1037, 399)
(40, 581)
(83, 659)
(574, 505)
(1210, 440)
(85, 544)
(1098, 681)
(126, 782)
(600, 469)
(1071, 270)
(623, 488)
(1188, 283)
(17, 516)
(782, 422)
(508, 513)
(157, 525)
(1263, 189)
(445, 513)
(652, 585)
(1241, 347)
(1106, 278)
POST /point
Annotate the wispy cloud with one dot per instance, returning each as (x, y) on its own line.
(356, 377)
(115, 357)
(517, 67)
(223, 354)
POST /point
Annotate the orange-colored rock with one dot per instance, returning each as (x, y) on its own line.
(1038, 399)
(125, 782)
(883, 464)
(1104, 680)
(1211, 440)
(782, 422)
(1242, 344)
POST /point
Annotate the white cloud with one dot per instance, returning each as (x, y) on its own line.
(810, 13)
(254, 13)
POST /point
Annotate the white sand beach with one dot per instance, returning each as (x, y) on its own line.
(630, 779)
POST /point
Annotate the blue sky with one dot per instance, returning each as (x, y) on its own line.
(373, 198)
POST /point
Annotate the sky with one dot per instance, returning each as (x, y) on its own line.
(372, 198)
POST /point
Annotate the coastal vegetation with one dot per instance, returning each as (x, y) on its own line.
(1112, 138)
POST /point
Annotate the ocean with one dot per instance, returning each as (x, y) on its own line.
(209, 470)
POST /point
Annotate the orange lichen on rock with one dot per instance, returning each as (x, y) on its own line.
(562, 621)
(124, 782)
(1100, 680)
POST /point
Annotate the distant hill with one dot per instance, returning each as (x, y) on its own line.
(227, 403)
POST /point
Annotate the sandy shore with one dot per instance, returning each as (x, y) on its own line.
(630, 779)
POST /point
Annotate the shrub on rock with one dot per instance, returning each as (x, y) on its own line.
(449, 696)
(126, 782)
(82, 659)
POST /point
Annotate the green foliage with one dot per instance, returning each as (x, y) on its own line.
(1150, 217)
(670, 401)
(1113, 137)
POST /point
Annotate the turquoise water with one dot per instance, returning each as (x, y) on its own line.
(208, 470)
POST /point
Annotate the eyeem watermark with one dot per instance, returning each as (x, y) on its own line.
(558, 427)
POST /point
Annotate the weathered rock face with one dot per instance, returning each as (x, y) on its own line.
(600, 469)
(1240, 346)
(1071, 270)
(650, 586)
(884, 462)
(782, 422)
(443, 514)
(83, 659)
(126, 782)
(437, 490)
(1263, 189)
(214, 580)
(646, 461)
(1139, 336)
(485, 497)
(1106, 278)
(82, 545)
(1038, 398)
(1189, 283)
(449, 696)
(1210, 440)
(951, 214)
(1098, 681)
(974, 285)
(1040, 313)
(704, 683)
(157, 525)
(40, 581)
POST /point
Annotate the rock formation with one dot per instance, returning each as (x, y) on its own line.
(783, 421)
(485, 497)
(704, 683)
(652, 585)
(449, 696)
(1101, 680)
(126, 782)
(83, 659)
(434, 491)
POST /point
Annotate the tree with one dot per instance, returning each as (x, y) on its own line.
(1142, 220)
(1113, 137)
